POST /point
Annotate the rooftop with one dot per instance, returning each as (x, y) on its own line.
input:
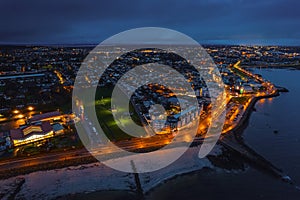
(25, 132)
(44, 116)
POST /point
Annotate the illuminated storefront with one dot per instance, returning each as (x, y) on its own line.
(31, 133)
(32, 138)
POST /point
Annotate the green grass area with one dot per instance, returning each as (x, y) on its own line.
(243, 76)
(240, 100)
(105, 117)
(104, 108)
(109, 125)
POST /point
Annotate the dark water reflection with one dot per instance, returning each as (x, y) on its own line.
(274, 132)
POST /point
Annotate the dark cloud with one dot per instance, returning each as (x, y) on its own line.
(62, 21)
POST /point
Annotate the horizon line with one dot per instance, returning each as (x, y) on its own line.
(95, 44)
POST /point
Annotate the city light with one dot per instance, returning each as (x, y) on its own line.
(20, 116)
(30, 108)
(16, 111)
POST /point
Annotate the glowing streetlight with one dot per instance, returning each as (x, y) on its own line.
(30, 108)
(20, 116)
(16, 111)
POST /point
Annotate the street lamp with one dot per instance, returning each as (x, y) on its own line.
(30, 108)
(16, 111)
(20, 116)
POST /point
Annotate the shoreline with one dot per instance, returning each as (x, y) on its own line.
(239, 128)
(275, 66)
(236, 132)
(97, 177)
(246, 115)
(249, 154)
(157, 180)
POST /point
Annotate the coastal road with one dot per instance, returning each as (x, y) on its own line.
(134, 144)
(102, 150)
(52, 157)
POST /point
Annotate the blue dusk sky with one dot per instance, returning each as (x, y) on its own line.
(265, 22)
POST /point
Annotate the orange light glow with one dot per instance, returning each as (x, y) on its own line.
(20, 116)
(30, 108)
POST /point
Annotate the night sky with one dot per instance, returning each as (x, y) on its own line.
(207, 21)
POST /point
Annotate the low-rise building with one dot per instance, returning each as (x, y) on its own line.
(31, 133)
(55, 115)
(58, 129)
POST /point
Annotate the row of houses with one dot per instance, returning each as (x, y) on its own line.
(176, 121)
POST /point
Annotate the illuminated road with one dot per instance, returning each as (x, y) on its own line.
(136, 144)
(52, 157)
(133, 145)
